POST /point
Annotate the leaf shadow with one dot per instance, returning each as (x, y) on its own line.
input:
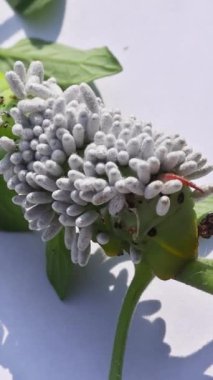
(38, 26)
(147, 349)
(73, 339)
(205, 246)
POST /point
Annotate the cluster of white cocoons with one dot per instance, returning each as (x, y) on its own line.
(70, 153)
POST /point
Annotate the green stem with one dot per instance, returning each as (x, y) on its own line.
(141, 279)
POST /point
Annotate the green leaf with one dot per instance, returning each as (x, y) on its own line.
(58, 265)
(7, 101)
(11, 216)
(199, 274)
(5, 91)
(203, 207)
(28, 7)
(68, 65)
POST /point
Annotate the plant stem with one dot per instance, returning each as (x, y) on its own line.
(141, 279)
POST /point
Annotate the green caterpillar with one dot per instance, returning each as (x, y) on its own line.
(165, 242)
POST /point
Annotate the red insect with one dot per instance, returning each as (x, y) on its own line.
(185, 182)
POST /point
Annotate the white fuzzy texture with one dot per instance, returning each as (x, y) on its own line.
(61, 195)
(153, 189)
(69, 233)
(134, 186)
(86, 219)
(20, 70)
(172, 186)
(83, 256)
(89, 97)
(75, 210)
(16, 84)
(72, 158)
(85, 236)
(7, 144)
(52, 230)
(116, 204)
(67, 221)
(39, 197)
(5, 163)
(163, 205)
(103, 196)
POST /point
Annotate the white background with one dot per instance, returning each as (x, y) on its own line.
(165, 48)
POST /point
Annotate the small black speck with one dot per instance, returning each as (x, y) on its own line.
(180, 198)
(152, 232)
(118, 225)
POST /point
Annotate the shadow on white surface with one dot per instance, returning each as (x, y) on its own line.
(44, 338)
(205, 247)
(147, 349)
(40, 26)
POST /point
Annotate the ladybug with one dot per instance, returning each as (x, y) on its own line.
(205, 227)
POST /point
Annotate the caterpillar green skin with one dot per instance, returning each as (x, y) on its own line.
(167, 242)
